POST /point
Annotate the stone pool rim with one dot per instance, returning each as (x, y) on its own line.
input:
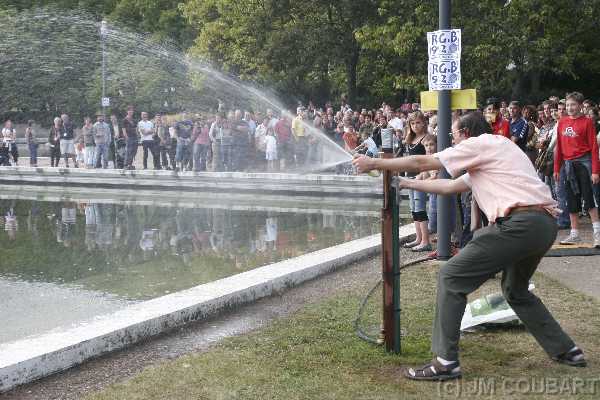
(33, 358)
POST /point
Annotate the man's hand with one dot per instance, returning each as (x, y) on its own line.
(556, 177)
(363, 163)
(595, 179)
(403, 182)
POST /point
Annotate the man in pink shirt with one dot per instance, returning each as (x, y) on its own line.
(519, 207)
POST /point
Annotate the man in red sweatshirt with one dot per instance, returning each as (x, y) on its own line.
(577, 163)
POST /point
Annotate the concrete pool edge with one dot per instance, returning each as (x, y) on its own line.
(34, 358)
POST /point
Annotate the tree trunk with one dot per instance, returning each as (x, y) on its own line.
(351, 74)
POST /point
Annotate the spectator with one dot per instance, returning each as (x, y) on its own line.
(519, 128)
(31, 143)
(54, 142)
(183, 154)
(119, 142)
(216, 135)
(241, 141)
(414, 136)
(147, 132)
(576, 162)
(129, 129)
(500, 126)
(160, 135)
(270, 150)
(9, 138)
(87, 136)
(67, 144)
(101, 132)
(201, 144)
(283, 132)
(300, 139)
(260, 143)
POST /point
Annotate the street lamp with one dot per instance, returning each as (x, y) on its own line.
(103, 32)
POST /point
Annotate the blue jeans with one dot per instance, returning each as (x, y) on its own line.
(131, 149)
(433, 213)
(183, 153)
(102, 154)
(561, 197)
(33, 153)
(417, 200)
(200, 151)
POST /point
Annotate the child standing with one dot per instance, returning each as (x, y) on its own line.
(350, 138)
(270, 150)
(415, 135)
(430, 143)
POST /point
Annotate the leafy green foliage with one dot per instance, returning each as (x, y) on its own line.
(370, 50)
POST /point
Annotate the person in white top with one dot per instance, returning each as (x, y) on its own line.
(271, 150)
(519, 207)
(396, 122)
(9, 138)
(146, 132)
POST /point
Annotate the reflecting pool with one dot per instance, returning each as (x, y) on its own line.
(68, 260)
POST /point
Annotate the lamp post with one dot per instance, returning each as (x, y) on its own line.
(103, 32)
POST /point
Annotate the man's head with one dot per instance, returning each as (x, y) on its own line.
(547, 107)
(100, 117)
(574, 102)
(130, 111)
(238, 114)
(553, 110)
(144, 116)
(491, 110)
(587, 104)
(65, 118)
(269, 113)
(514, 109)
(469, 125)
(158, 118)
(562, 109)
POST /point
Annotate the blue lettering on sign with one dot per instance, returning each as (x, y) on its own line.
(444, 37)
(444, 67)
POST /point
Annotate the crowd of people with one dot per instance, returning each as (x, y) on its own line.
(559, 136)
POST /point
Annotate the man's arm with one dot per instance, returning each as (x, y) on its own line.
(439, 186)
(402, 164)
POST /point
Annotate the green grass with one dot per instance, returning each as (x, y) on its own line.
(316, 355)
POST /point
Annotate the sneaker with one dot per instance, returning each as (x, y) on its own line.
(571, 239)
(597, 239)
(422, 248)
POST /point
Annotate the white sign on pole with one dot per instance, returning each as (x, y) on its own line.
(444, 50)
(444, 44)
(444, 75)
(106, 102)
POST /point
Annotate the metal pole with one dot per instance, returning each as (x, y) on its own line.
(103, 39)
(390, 265)
(443, 141)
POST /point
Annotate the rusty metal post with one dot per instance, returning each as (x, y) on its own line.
(389, 252)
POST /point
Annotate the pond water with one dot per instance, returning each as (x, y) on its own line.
(62, 262)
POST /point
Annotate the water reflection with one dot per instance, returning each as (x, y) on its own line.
(143, 251)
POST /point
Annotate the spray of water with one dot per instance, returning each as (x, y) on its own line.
(62, 50)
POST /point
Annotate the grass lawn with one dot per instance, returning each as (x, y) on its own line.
(315, 354)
